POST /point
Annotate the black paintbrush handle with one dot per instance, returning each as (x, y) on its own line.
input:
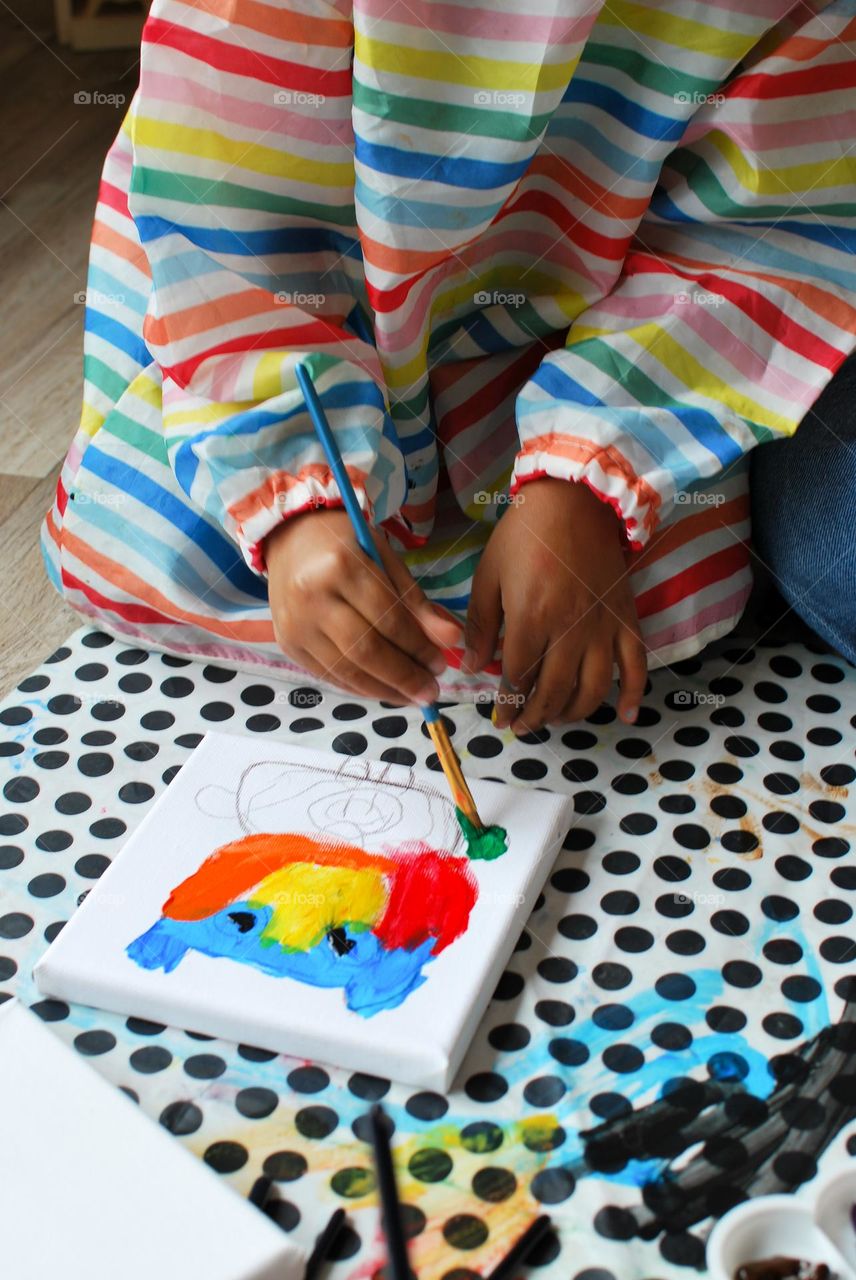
(520, 1250)
(323, 1243)
(396, 1244)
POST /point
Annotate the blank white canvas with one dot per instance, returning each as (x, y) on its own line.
(92, 1188)
(233, 785)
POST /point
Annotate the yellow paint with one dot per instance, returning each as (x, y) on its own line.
(307, 901)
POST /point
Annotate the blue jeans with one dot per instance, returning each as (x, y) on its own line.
(803, 493)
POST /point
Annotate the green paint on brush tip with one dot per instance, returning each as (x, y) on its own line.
(483, 843)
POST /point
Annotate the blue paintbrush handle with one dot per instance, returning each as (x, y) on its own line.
(361, 529)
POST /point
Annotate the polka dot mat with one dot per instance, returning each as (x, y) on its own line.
(675, 1028)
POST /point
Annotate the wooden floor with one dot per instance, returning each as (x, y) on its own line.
(53, 149)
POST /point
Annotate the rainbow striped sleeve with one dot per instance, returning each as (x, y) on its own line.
(737, 297)
(241, 190)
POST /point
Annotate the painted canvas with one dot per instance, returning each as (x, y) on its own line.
(313, 904)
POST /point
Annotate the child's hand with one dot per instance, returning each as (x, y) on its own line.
(338, 616)
(555, 568)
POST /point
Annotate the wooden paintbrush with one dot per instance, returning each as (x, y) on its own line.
(449, 762)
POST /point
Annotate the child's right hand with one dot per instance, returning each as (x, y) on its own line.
(340, 618)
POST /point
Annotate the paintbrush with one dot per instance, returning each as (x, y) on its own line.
(506, 1268)
(396, 1243)
(449, 762)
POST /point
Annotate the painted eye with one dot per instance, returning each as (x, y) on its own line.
(245, 920)
(340, 942)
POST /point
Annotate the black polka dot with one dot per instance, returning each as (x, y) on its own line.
(430, 1164)
(486, 1086)
(94, 1043)
(49, 1010)
(779, 823)
(313, 1122)
(671, 1036)
(610, 976)
(675, 986)
(308, 1079)
(353, 1182)
(390, 726)
(15, 924)
(47, 885)
(176, 687)
(569, 1052)
(838, 950)
(612, 1017)
(614, 1223)
(142, 1027)
(204, 1066)
(691, 836)
(557, 969)
(95, 764)
(544, 1091)
(801, 988)
(741, 973)
(150, 1058)
(21, 790)
(10, 856)
(349, 744)
(494, 1184)
(50, 737)
(226, 1157)
(509, 986)
(465, 1231)
(250, 1053)
(349, 711)
(556, 1013)
(369, 1088)
(154, 720)
(256, 1103)
(135, 682)
(509, 1037)
(107, 828)
(285, 1166)
(427, 1106)
(638, 824)
(782, 1026)
(552, 1186)
(633, 939)
(263, 724)
(481, 1137)
(136, 792)
(577, 927)
(92, 865)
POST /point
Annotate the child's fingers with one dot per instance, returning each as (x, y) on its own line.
(631, 656)
(439, 625)
(326, 660)
(369, 591)
(554, 682)
(364, 647)
(594, 680)
(484, 617)
(522, 654)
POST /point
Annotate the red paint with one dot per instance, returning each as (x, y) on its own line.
(431, 896)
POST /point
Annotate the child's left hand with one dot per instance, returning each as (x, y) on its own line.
(555, 570)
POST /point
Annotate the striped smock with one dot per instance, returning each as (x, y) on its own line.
(607, 242)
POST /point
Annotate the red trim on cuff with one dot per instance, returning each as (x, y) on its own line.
(257, 559)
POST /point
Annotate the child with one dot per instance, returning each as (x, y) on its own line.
(555, 268)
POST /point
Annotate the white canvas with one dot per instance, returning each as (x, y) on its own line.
(348, 872)
(92, 1188)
